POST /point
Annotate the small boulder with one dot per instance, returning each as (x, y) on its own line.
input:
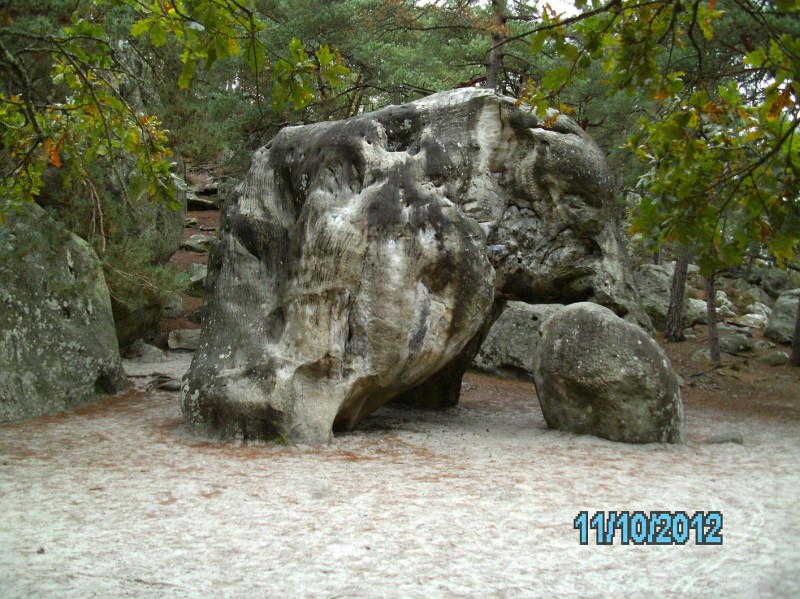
(139, 351)
(200, 244)
(780, 327)
(728, 437)
(174, 306)
(695, 311)
(777, 358)
(753, 320)
(702, 355)
(733, 328)
(735, 344)
(184, 339)
(758, 308)
(197, 203)
(598, 374)
(725, 308)
(197, 278)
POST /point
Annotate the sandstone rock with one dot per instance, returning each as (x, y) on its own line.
(778, 358)
(139, 351)
(753, 320)
(780, 327)
(200, 244)
(654, 282)
(511, 344)
(58, 348)
(725, 308)
(597, 374)
(751, 293)
(174, 307)
(759, 309)
(731, 327)
(194, 202)
(364, 260)
(184, 339)
(197, 278)
(735, 344)
(727, 437)
(695, 311)
(773, 280)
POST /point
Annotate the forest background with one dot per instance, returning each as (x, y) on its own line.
(105, 103)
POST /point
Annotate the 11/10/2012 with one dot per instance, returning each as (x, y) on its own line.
(655, 528)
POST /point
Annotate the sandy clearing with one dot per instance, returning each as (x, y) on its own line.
(118, 500)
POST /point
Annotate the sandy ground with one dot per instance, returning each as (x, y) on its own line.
(118, 500)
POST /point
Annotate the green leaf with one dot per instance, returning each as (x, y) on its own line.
(187, 72)
(140, 27)
(255, 55)
(570, 52)
(554, 78)
(157, 34)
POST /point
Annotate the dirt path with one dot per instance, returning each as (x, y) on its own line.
(118, 500)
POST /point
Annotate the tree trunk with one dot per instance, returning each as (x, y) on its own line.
(498, 40)
(675, 313)
(713, 333)
(794, 359)
(657, 255)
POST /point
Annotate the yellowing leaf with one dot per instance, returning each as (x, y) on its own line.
(550, 121)
(51, 149)
(783, 101)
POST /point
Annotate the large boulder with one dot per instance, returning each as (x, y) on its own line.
(58, 347)
(780, 327)
(511, 344)
(364, 260)
(597, 374)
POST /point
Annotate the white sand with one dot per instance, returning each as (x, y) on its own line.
(475, 501)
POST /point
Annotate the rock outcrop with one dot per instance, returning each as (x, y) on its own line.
(780, 327)
(364, 260)
(58, 347)
(597, 374)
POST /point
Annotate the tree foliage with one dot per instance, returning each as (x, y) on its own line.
(718, 140)
(79, 113)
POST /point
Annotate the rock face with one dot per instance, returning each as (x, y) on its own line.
(597, 374)
(780, 327)
(58, 347)
(365, 260)
(511, 344)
